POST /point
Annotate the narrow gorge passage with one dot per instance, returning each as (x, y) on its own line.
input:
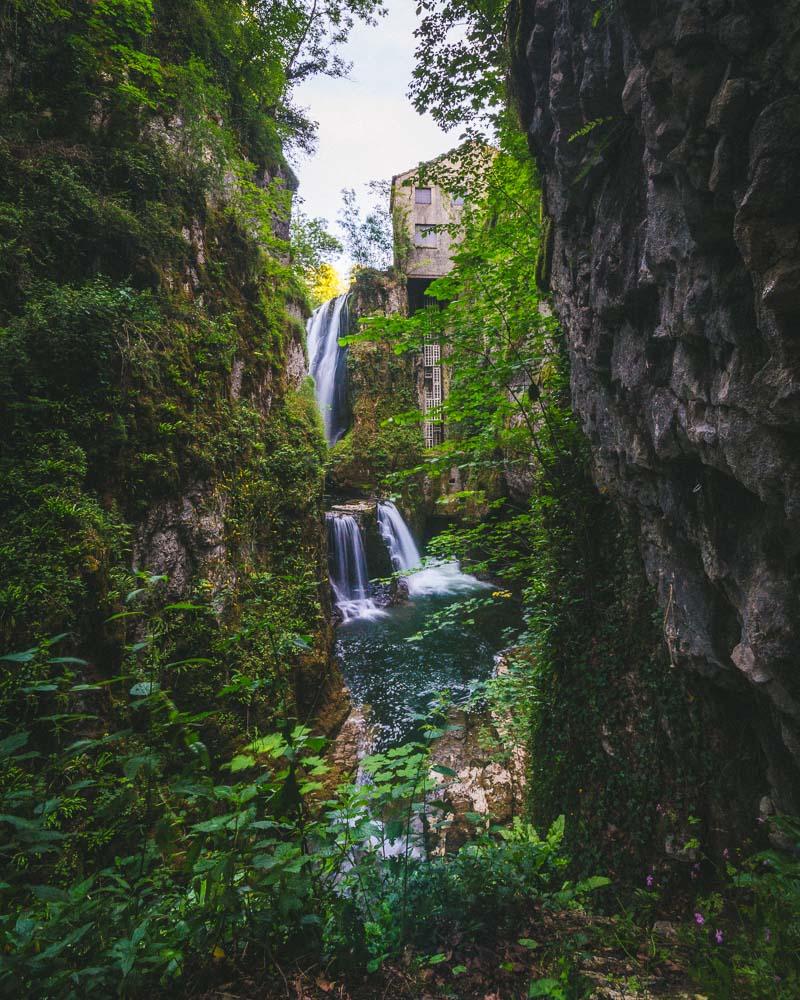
(400, 494)
(394, 661)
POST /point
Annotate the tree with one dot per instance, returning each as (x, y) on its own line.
(326, 284)
(368, 240)
(311, 246)
(461, 60)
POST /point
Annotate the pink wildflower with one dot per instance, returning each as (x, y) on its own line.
(699, 919)
(719, 937)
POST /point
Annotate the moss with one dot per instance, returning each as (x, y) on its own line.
(140, 264)
(619, 739)
(382, 387)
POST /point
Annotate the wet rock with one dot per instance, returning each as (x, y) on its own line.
(489, 777)
(676, 276)
(350, 744)
(483, 785)
(666, 930)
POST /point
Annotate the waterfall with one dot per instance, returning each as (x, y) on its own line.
(348, 568)
(432, 578)
(328, 364)
(394, 531)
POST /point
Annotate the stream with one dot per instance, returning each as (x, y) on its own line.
(397, 678)
(394, 662)
(393, 665)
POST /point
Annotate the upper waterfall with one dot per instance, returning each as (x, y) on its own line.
(327, 363)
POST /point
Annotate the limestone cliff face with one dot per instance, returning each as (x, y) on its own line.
(668, 139)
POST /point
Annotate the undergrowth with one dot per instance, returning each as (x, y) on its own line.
(142, 853)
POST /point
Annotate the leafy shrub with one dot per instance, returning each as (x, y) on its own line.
(135, 856)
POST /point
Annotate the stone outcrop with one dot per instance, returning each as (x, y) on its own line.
(668, 139)
(183, 538)
(380, 385)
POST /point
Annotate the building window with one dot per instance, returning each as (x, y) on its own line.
(422, 196)
(424, 236)
(458, 200)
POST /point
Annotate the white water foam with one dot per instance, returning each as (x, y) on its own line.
(423, 579)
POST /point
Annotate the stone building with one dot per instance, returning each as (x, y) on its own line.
(420, 213)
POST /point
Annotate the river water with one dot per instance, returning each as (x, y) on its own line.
(398, 676)
(393, 661)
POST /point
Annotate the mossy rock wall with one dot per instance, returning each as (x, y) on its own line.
(155, 412)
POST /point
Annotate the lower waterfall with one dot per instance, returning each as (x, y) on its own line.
(431, 578)
(348, 568)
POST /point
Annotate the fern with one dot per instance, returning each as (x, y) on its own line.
(589, 127)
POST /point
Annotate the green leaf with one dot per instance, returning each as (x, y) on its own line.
(241, 761)
(144, 689)
(547, 988)
(49, 893)
(24, 657)
(556, 832)
(274, 744)
(215, 824)
(125, 614)
(448, 772)
(590, 884)
(14, 742)
(191, 660)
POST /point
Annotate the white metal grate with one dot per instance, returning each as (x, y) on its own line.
(431, 354)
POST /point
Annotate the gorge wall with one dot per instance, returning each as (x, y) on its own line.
(668, 140)
(155, 414)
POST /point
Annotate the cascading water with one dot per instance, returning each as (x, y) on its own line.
(399, 541)
(328, 364)
(433, 578)
(348, 568)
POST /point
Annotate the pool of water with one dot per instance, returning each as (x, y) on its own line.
(396, 677)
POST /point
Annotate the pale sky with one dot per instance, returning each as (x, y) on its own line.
(368, 129)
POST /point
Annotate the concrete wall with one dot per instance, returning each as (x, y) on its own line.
(422, 261)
